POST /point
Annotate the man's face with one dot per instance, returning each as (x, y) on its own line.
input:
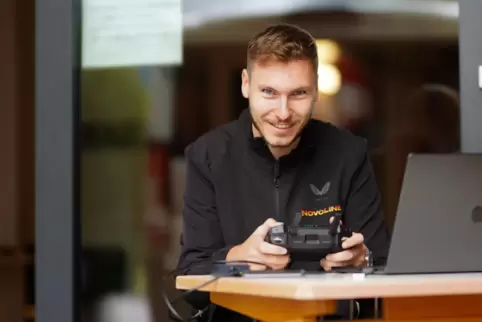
(281, 98)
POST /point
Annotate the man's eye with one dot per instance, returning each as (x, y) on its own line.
(268, 91)
(299, 93)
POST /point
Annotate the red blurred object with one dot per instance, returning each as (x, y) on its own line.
(159, 170)
(353, 100)
(351, 71)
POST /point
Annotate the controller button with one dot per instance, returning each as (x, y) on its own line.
(312, 239)
(298, 239)
(277, 229)
(278, 240)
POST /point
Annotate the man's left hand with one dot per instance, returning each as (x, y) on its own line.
(353, 254)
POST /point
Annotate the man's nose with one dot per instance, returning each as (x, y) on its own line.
(283, 112)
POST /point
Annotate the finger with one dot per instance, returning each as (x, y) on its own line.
(328, 265)
(325, 264)
(272, 223)
(354, 240)
(279, 267)
(342, 256)
(256, 257)
(352, 257)
(255, 267)
(270, 249)
(276, 261)
(332, 218)
(263, 229)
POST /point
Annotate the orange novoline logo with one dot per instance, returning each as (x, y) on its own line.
(320, 212)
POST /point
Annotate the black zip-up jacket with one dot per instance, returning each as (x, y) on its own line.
(234, 184)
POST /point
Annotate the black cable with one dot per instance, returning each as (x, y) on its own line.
(173, 314)
(239, 262)
(199, 313)
(194, 289)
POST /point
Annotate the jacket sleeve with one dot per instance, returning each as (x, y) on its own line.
(202, 239)
(364, 211)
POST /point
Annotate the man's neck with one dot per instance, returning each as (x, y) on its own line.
(279, 152)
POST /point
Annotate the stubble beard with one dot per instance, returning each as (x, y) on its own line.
(279, 146)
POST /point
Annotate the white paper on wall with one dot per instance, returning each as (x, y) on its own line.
(119, 33)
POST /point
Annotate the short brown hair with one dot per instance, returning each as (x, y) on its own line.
(284, 43)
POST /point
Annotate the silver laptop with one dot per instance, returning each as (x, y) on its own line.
(438, 228)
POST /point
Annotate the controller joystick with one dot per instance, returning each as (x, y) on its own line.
(310, 243)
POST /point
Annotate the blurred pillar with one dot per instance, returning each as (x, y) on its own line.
(470, 57)
(161, 84)
(158, 216)
(57, 65)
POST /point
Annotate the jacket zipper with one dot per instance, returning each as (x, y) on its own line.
(276, 190)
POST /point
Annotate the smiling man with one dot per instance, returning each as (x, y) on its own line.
(277, 164)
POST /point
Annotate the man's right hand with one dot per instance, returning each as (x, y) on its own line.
(255, 249)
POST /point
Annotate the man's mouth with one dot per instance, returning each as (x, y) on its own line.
(282, 126)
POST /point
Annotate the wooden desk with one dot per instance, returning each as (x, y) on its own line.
(434, 298)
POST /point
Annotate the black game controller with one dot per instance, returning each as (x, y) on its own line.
(311, 243)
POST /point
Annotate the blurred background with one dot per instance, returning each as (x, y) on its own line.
(389, 71)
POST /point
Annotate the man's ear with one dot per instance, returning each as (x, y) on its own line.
(245, 83)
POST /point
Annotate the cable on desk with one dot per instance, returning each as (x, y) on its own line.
(173, 314)
(199, 313)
